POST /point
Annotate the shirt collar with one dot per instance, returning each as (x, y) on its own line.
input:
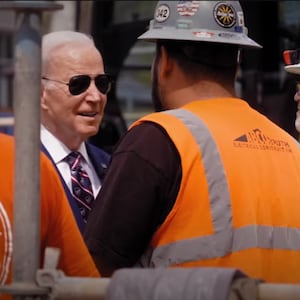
(57, 149)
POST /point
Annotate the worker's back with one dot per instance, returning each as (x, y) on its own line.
(238, 193)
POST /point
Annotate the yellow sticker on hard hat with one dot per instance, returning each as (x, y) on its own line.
(225, 15)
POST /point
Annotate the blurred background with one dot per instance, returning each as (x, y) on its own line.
(115, 26)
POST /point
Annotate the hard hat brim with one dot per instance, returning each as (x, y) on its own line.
(294, 69)
(198, 36)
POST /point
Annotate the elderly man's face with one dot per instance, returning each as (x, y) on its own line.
(73, 117)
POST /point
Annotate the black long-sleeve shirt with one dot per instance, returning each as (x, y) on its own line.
(138, 192)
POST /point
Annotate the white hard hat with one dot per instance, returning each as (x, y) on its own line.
(292, 61)
(205, 21)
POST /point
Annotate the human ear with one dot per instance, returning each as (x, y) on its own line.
(43, 97)
(166, 63)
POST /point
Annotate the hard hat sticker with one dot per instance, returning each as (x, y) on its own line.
(162, 13)
(240, 25)
(225, 15)
(203, 34)
(240, 17)
(187, 8)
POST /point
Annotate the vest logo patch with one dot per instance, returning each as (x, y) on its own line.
(6, 244)
(255, 139)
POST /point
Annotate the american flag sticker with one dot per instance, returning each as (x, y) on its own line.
(187, 8)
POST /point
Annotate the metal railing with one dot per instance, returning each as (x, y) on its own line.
(29, 281)
(26, 104)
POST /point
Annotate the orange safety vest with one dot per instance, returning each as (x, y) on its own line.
(239, 202)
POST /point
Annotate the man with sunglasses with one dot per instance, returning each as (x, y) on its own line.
(73, 98)
(206, 181)
(292, 66)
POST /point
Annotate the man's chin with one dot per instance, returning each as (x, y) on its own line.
(88, 131)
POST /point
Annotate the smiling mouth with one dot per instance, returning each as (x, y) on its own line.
(91, 114)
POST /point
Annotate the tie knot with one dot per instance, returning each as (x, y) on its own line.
(73, 159)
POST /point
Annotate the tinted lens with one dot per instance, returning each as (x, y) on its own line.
(79, 84)
(103, 83)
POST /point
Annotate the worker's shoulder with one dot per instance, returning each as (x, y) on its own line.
(6, 142)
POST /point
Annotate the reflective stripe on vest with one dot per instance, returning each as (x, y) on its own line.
(226, 238)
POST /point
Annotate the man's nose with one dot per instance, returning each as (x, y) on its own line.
(93, 94)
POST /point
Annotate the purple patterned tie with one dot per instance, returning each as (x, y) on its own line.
(81, 184)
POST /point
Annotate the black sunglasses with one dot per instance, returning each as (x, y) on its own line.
(80, 83)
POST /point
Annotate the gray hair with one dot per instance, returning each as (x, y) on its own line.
(53, 40)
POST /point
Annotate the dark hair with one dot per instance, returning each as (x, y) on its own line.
(195, 57)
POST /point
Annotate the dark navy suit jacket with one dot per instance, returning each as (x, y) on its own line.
(100, 160)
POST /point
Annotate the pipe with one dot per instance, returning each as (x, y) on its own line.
(26, 104)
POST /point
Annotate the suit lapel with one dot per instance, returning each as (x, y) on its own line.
(69, 195)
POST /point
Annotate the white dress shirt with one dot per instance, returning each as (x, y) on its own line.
(59, 151)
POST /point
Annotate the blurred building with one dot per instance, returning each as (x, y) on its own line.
(115, 25)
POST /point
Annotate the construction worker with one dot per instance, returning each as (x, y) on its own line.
(58, 226)
(206, 180)
(292, 66)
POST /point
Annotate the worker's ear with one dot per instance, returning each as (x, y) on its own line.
(43, 102)
(166, 63)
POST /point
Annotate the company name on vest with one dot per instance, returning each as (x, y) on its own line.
(255, 139)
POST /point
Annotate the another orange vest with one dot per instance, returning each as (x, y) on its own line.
(239, 201)
(58, 227)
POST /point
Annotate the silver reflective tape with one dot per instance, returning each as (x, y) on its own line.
(225, 239)
(253, 236)
(215, 175)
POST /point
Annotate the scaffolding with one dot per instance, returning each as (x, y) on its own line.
(29, 281)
